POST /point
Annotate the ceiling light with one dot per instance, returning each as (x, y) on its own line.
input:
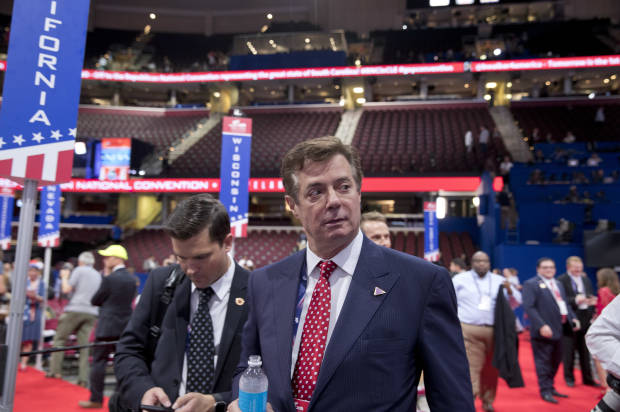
(217, 95)
(591, 96)
(404, 27)
(491, 85)
(269, 16)
(613, 77)
(509, 96)
(483, 57)
(487, 97)
(152, 16)
(360, 100)
(547, 83)
(497, 52)
(476, 201)
(606, 81)
(509, 85)
(307, 40)
(358, 90)
(358, 62)
(466, 85)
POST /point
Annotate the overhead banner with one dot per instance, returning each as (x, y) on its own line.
(7, 197)
(235, 171)
(42, 90)
(431, 232)
(115, 158)
(49, 216)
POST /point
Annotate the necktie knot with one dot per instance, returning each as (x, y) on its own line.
(205, 295)
(327, 267)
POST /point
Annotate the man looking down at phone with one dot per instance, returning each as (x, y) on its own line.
(192, 364)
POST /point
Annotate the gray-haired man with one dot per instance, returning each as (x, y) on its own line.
(79, 316)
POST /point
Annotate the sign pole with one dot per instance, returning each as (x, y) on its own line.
(46, 280)
(16, 314)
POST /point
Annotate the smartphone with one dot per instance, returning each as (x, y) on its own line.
(155, 408)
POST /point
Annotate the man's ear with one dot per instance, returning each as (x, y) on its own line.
(290, 202)
(227, 243)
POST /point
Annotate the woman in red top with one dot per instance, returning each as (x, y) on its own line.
(608, 287)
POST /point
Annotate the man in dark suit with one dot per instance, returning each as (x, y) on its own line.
(115, 296)
(346, 324)
(545, 304)
(580, 296)
(201, 240)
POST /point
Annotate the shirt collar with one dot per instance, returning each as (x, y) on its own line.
(117, 267)
(346, 259)
(222, 286)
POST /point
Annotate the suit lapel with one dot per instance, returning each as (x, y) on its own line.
(359, 307)
(285, 286)
(233, 315)
(181, 302)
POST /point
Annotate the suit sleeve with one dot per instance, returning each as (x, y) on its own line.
(445, 365)
(102, 293)
(130, 363)
(529, 305)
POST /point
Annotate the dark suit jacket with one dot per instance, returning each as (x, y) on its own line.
(584, 315)
(380, 344)
(115, 296)
(135, 376)
(505, 355)
(541, 308)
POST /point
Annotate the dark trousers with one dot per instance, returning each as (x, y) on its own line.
(576, 341)
(547, 358)
(97, 371)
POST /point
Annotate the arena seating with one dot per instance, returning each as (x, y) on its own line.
(155, 126)
(420, 138)
(451, 244)
(558, 116)
(273, 133)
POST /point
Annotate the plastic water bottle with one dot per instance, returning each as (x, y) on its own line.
(253, 387)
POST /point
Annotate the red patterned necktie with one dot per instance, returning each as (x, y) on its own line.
(314, 336)
(558, 295)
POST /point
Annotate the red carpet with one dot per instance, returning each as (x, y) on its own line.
(581, 398)
(36, 393)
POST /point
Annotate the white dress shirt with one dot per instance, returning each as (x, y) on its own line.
(217, 309)
(552, 284)
(476, 296)
(339, 283)
(603, 338)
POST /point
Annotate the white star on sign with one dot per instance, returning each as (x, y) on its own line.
(56, 134)
(2, 142)
(73, 131)
(18, 139)
(37, 137)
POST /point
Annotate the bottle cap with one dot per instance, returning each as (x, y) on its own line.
(254, 361)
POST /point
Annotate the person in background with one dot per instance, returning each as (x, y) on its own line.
(457, 266)
(608, 288)
(170, 260)
(580, 296)
(469, 141)
(114, 297)
(33, 311)
(79, 315)
(545, 304)
(483, 139)
(374, 225)
(476, 295)
(149, 264)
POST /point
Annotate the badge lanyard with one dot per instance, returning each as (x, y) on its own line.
(301, 292)
(478, 286)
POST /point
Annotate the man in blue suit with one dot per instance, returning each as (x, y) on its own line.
(545, 304)
(371, 318)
